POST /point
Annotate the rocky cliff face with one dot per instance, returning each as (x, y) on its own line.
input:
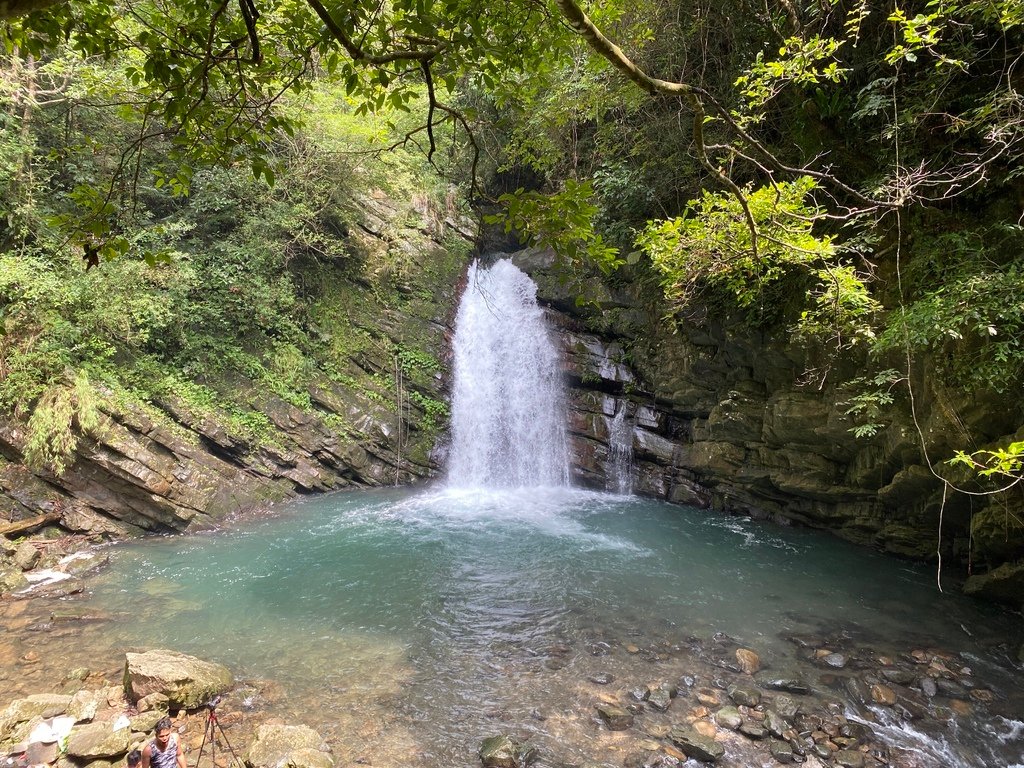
(164, 466)
(732, 420)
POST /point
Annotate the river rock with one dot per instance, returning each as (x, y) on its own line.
(849, 758)
(729, 717)
(602, 678)
(83, 562)
(661, 697)
(11, 578)
(775, 723)
(186, 681)
(781, 751)
(97, 740)
(41, 754)
(748, 660)
(708, 697)
(295, 746)
(787, 684)
(505, 752)
(835, 660)
(951, 688)
(144, 722)
(753, 730)
(615, 717)
(898, 675)
(84, 705)
(744, 695)
(26, 556)
(883, 694)
(696, 746)
(640, 693)
(154, 701)
(785, 706)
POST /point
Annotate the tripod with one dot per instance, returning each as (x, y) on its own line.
(213, 726)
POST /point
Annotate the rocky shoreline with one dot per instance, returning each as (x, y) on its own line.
(642, 701)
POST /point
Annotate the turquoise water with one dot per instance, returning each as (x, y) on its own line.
(409, 625)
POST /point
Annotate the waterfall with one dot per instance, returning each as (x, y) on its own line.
(619, 468)
(508, 417)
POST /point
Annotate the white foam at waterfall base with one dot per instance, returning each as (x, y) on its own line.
(508, 417)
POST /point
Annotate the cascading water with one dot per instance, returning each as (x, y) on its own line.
(619, 469)
(508, 415)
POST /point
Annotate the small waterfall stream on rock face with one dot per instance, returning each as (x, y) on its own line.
(508, 416)
(619, 469)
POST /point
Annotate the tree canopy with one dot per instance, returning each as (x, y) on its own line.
(870, 154)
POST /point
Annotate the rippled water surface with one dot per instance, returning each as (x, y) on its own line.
(407, 626)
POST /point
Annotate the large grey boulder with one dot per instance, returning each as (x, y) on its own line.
(97, 740)
(291, 746)
(186, 681)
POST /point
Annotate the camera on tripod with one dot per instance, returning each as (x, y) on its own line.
(212, 733)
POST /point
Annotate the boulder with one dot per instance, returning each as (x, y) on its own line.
(39, 705)
(292, 746)
(84, 704)
(503, 751)
(97, 740)
(186, 681)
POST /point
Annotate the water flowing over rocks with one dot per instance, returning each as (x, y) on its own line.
(714, 715)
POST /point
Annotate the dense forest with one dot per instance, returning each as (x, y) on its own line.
(183, 185)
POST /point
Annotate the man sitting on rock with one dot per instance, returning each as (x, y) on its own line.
(164, 751)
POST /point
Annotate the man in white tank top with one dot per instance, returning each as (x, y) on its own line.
(164, 751)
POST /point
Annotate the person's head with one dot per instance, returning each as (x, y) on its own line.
(134, 758)
(163, 731)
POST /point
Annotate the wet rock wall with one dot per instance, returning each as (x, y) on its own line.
(741, 422)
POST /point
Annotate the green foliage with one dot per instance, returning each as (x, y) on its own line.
(63, 412)
(562, 221)
(873, 397)
(219, 300)
(799, 62)
(712, 245)
(1005, 462)
(974, 325)
(435, 412)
